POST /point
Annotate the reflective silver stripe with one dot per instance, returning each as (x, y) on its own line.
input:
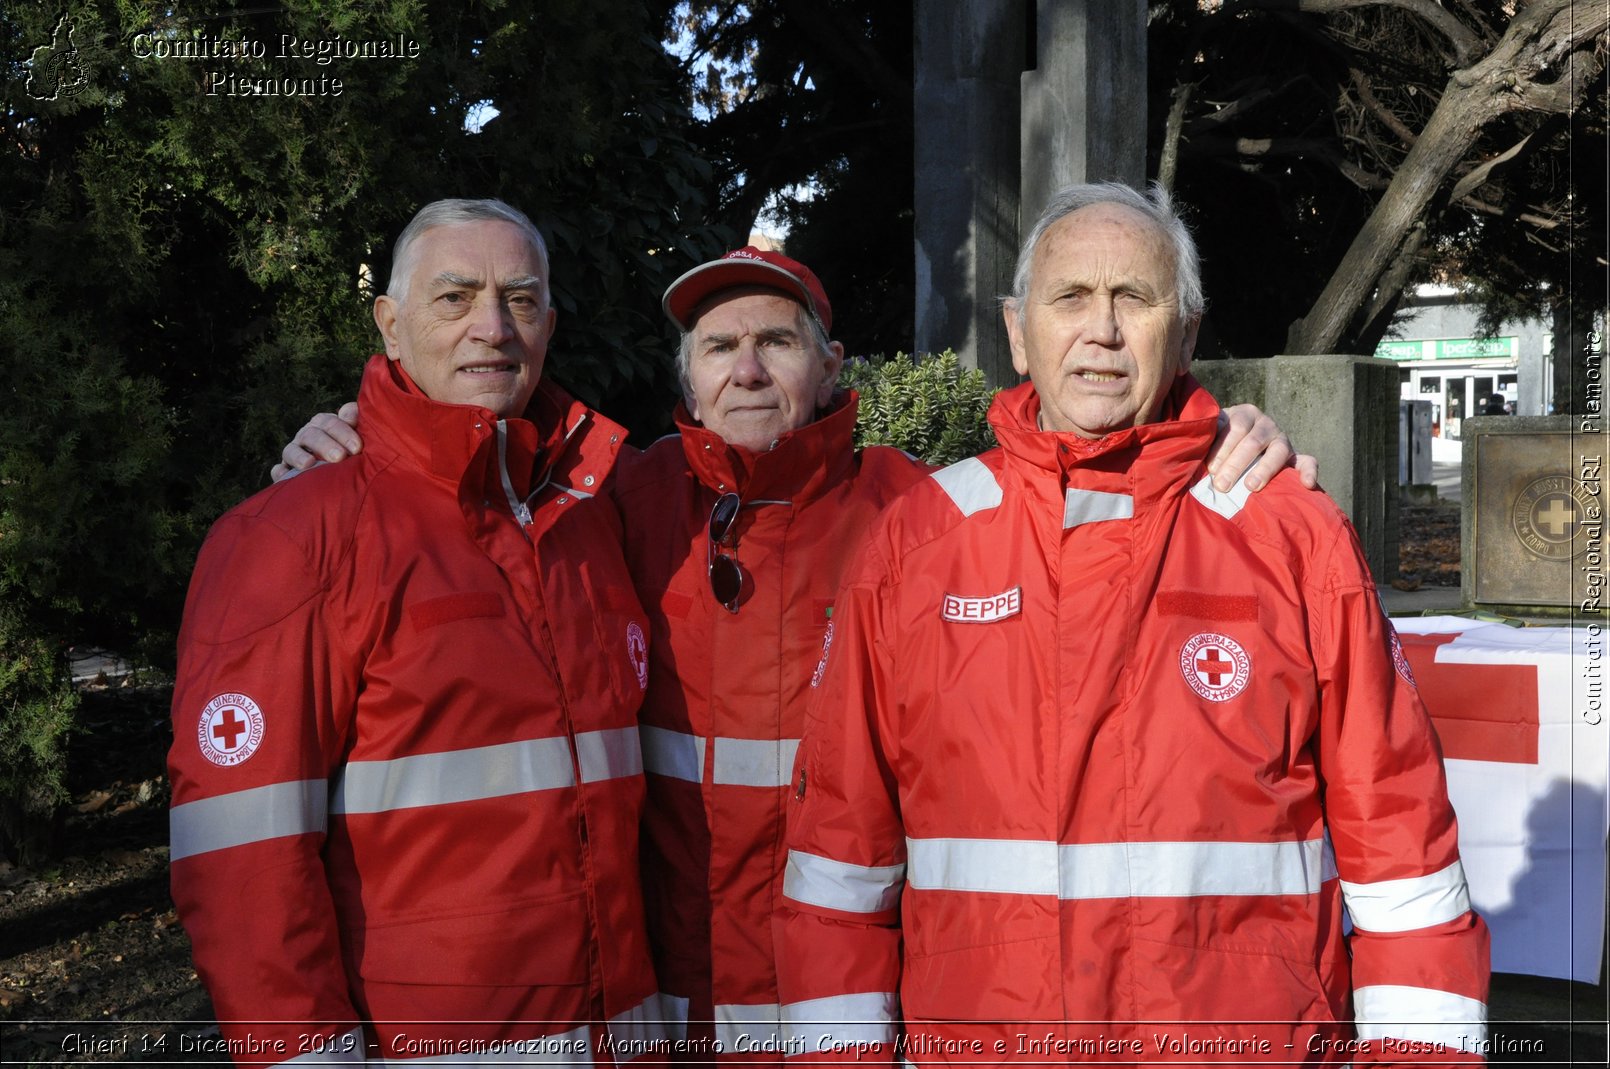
(1115, 870)
(650, 1027)
(821, 1024)
(1225, 504)
(611, 754)
(1003, 866)
(755, 762)
(821, 881)
(574, 1047)
(453, 776)
(572, 491)
(1178, 870)
(1404, 905)
(750, 1028)
(1093, 506)
(673, 753)
(249, 816)
(737, 763)
(1423, 1014)
(346, 1049)
(516, 506)
(970, 484)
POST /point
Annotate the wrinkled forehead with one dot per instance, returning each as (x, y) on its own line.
(483, 241)
(1105, 238)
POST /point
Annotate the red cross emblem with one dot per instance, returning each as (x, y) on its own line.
(229, 727)
(230, 730)
(637, 653)
(1215, 666)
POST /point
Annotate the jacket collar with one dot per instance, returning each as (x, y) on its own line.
(798, 468)
(557, 438)
(1147, 462)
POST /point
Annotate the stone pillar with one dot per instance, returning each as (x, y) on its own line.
(1084, 100)
(1343, 410)
(970, 55)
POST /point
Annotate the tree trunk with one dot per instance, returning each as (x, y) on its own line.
(1539, 35)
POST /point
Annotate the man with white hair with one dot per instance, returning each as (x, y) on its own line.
(1100, 754)
(406, 773)
(738, 531)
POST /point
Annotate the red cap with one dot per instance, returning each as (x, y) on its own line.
(747, 266)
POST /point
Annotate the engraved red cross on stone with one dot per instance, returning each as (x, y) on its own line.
(1209, 664)
(229, 728)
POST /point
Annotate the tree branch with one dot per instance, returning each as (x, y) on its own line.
(1170, 157)
(1379, 110)
(1465, 43)
(1541, 222)
(1478, 175)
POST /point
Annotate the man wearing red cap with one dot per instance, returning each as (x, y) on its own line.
(738, 531)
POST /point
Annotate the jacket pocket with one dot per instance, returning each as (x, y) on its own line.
(536, 944)
(998, 982)
(1175, 982)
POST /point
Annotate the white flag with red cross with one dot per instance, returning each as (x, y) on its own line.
(1521, 716)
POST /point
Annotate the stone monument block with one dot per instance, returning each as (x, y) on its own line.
(1344, 411)
(1533, 530)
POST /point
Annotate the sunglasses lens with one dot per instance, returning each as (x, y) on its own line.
(726, 580)
(722, 517)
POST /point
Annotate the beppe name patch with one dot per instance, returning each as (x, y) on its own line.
(983, 610)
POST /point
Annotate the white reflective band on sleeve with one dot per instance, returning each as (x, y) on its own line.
(1423, 1014)
(453, 776)
(821, 881)
(1115, 870)
(1404, 905)
(611, 754)
(249, 816)
(970, 484)
(820, 1024)
(673, 753)
(1093, 506)
(650, 1027)
(750, 1028)
(755, 762)
(1226, 504)
(346, 1049)
(574, 1047)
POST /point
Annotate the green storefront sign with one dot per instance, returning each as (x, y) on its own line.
(1448, 349)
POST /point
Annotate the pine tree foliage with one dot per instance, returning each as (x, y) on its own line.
(187, 263)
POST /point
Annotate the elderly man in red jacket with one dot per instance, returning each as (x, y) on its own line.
(407, 781)
(739, 529)
(1102, 754)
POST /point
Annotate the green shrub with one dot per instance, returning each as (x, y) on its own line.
(929, 406)
(37, 700)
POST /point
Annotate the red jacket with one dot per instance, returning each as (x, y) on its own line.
(1095, 742)
(406, 771)
(727, 691)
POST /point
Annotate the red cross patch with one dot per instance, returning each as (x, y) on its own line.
(1215, 666)
(637, 653)
(1399, 661)
(821, 665)
(231, 729)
